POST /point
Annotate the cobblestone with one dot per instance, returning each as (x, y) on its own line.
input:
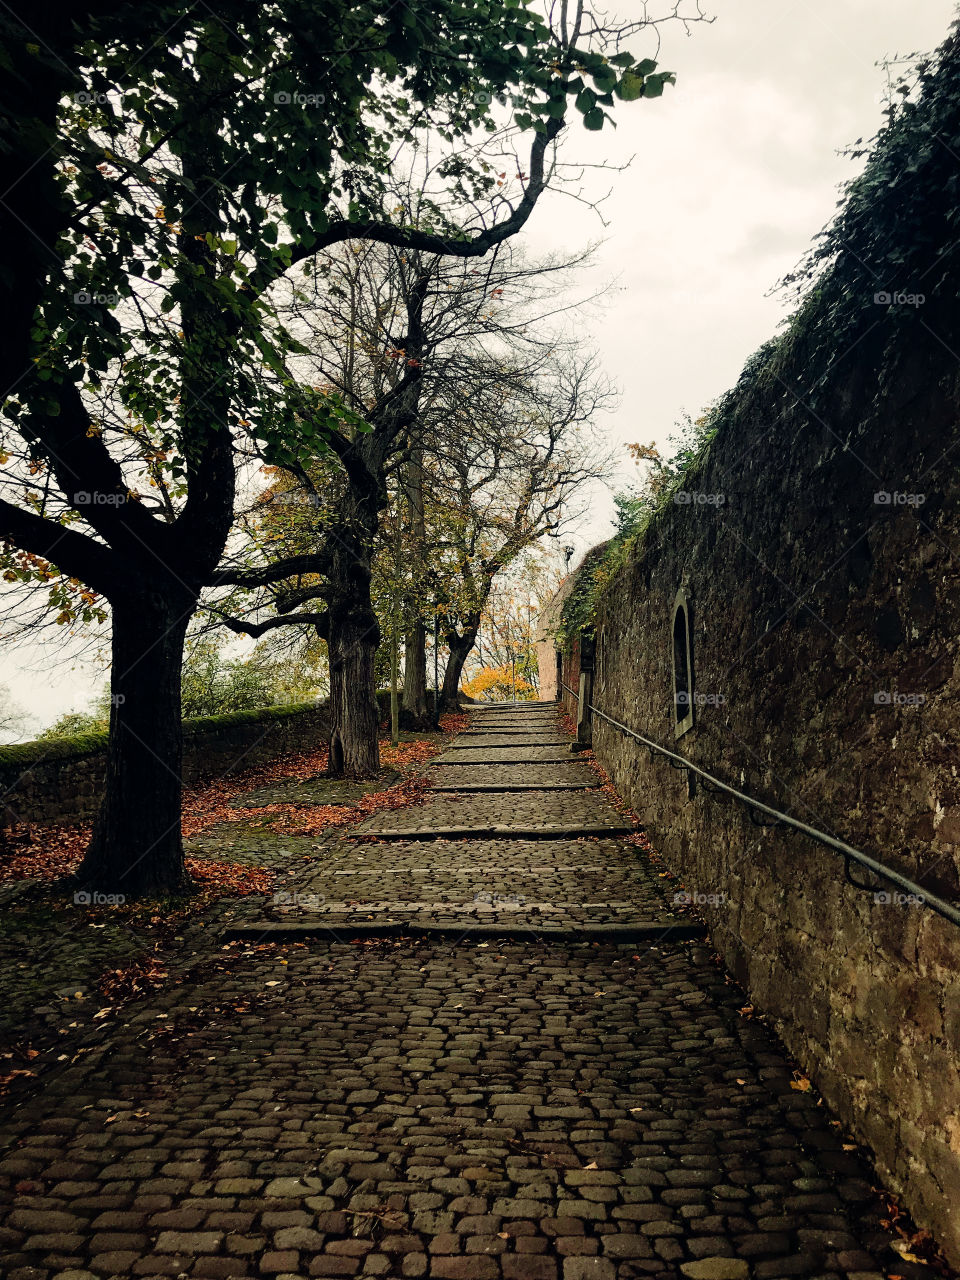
(495, 1110)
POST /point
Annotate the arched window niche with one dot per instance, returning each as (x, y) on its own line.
(681, 632)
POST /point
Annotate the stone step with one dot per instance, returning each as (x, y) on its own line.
(557, 758)
(516, 786)
(527, 721)
(648, 931)
(544, 774)
(546, 832)
(503, 746)
(499, 732)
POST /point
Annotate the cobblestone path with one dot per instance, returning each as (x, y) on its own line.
(516, 1096)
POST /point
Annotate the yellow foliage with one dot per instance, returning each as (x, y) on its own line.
(497, 683)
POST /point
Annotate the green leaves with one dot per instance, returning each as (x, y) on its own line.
(630, 87)
(605, 78)
(653, 84)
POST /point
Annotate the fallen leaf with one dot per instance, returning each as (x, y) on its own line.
(902, 1247)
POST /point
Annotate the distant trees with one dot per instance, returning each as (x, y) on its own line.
(213, 683)
(523, 479)
(468, 419)
(506, 664)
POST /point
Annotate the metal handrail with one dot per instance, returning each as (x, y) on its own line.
(780, 819)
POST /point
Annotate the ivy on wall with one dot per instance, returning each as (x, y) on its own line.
(889, 260)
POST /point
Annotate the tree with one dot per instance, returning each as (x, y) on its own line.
(405, 340)
(163, 222)
(525, 479)
(415, 630)
(72, 723)
(499, 684)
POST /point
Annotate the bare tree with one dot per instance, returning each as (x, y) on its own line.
(435, 358)
(524, 478)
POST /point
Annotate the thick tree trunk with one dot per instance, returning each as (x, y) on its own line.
(136, 847)
(416, 713)
(353, 637)
(460, 647)
(354, 715)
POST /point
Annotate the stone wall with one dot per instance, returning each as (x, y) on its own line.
(817, 537)
(61, 781)
(824, 626)
(545, 643)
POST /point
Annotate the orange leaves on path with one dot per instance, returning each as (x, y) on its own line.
(567, 724)
(134, 980)
(409, 792)
(42, 853)
(217, 878)
(314, 820)
(454, 721)
(408, 754)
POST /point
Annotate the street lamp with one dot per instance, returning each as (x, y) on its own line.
(568, 555)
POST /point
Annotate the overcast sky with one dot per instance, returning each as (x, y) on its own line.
(736, 168)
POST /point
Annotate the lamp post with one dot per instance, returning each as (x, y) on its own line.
(436, 666)
(568, 556)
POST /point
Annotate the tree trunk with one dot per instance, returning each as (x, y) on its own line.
(416, 712)
(394, 674)
(136, 847)
(353, 637)
(355, 717)
(415, 708)
(460, 647)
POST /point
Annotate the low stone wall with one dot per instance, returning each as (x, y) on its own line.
(62, 780)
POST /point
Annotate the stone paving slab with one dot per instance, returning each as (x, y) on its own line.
(530, 811)
(546, 729)
(320, 790)
(516, 786)
(526, 724)
(350, 926)
(517, 733)
(239, 842)
(580, 885)
(538, 831)
(477, 1112)
(490, 741)
(568, 774)
(533, 754)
